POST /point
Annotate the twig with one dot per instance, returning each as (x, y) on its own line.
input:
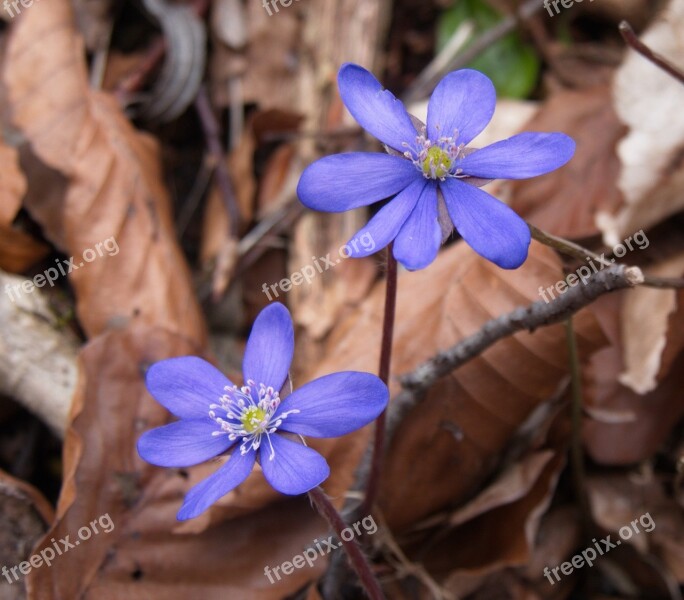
(427, 80)
(529, 318)
(576, 451)
(561, 245)
(352, 548)
(633, 41)
(373, 483)
(211, 133)
(663, 282)
(576, 251)
(196, 193)
(135, 80)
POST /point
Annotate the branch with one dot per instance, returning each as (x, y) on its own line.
(576, 251)
(211, 130)
(633, 41)
(538, 314)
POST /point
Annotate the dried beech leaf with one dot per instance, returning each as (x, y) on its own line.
(513, 525)
(652, 169)
(623, 442)
(18, 250)
(512, 485)
(486, 400)
(618, 500)
(565, 201)
(116, 189)
(646, 317)
(12, 185)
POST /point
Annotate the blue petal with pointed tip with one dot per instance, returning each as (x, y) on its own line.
(183, 443)
(334, 405)
(490, 227)
(186, 385)
(295, 469)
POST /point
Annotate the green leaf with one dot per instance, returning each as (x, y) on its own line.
(511, 64)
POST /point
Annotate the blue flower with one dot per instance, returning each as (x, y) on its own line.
(431, 172)
(253, 421)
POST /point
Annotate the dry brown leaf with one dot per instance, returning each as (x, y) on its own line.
(469, 549)
(651, 417)
(18, 250)
(646, 328)
(566, 201)
(510, 486)
(115, 182)
(652, 168)
(618, 500)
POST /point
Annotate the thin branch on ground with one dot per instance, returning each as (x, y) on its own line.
(538, 314)
(576, 251)
(211, 130)
(660, 61)
(576, 447)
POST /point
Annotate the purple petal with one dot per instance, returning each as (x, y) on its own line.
(464, 101)
(521, 156)
(294, 469)
(270, 347)
(374, 108)
(217, 485)
(183, 443)
(334, 405)
(419, 240)
(490, 227)
(186, 385)
(344, 181)
(385, 225)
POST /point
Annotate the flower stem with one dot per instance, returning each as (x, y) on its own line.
(383, 372)
(352, 548)
(576, 451)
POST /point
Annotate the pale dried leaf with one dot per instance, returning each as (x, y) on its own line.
(645, 326)
(652, 170)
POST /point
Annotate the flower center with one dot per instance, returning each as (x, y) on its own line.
(435, 159)
(248, 415)
(437, 163)
(253, 418)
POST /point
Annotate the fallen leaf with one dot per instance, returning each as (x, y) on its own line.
(18, 250)
(115, 190)
(652, 190)
(565, 202)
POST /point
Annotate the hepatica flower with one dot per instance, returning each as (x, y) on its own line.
(253, 421)
(431, 172)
